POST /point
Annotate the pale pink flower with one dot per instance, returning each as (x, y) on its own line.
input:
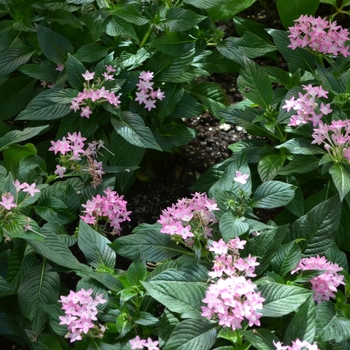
(7, 201)
(31, 189)
(241, 178)
(60, 170)
(60, 67)
(137, 343)
(88, 76)
(85, 112)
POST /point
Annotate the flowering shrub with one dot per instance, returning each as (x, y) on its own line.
(111, 208)
(256, 258)
(230, 296)
(80, 310)
(325, 285)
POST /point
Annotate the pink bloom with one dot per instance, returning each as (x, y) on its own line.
(241, 178)
(110, 69)
(88, 76)
(30, 188)
(149, 104)
(141, 96)
(137, 343)
(146, 76)
(60, 67)
(108, 77)
(60, 170)
(85, 112)
(8, 201)
(151, 345)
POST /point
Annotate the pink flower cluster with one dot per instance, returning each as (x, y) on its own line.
(296, 345)
(80, 310)
(189, 217)
(145, 93)
(71, 149)
(231, 297)
(138, 343)
(8, 200)
(326, 283)
(91, 95)
(335, 137)
(319, 35)
(111, 208)
(306, 106)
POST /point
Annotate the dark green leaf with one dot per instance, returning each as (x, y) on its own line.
(54, 45)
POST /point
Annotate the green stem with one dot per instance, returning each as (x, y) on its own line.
(147, 35)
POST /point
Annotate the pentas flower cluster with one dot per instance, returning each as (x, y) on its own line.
(94, 93)
(138, 343)
(71, 149)
(189, 217)
(319, 36)
(111, 208)
(307, 107)
(335, 137)
(9, 201)
(145, 93)
(325, 285)
(296, 345)
(80, 310)
(231, 297)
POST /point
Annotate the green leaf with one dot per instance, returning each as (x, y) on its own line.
(264, 246)
(64, 17)
(136, 272)
(228, 9)
(229, 49)
(148, 241)
(131, 14)
(273, 194)
(133, 129)
(188, 334)
(181, 20)
(202, 4)
(317, 228)
(254, 83)
(39, 287)
(55, 249)
(262, 339)
(232, 226)
(291, 10)
(48, 105)
(54, 45)
(15, 153)
(116, 26)
(174, 43)
(299, 58)
(15, 93)
(300, 165)
(181, 290)
(16, 136)
(75, 69)
(286, 259)
(269, 166)
(91, 52)
(300, 146)
(145, 319)
(252, 45)
(12, 58)
(282, 299)
(45, 71)
(303, 324)
(341, 179)
(211, 95)
(95, 247)
(173, 94)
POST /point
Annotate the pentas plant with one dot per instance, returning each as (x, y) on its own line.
(81, 311)
(231, 297)
(190, 220)
(110, 209)
(324, 285)
(138, 343)
(72, 152)
(319, 36)
(296, 345)
(94, 93)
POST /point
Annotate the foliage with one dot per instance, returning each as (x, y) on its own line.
(210, 274)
